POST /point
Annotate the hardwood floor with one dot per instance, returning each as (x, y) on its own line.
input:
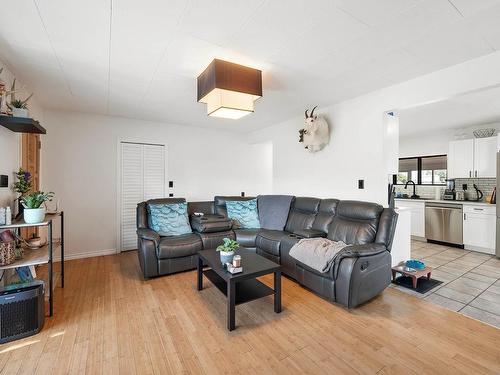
(108, 320)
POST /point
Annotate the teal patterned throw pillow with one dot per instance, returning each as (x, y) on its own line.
(169, 219)
(244, 213)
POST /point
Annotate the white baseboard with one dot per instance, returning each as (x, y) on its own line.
(86, 254)
(418, 238)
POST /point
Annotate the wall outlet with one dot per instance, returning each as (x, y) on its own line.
(171, 184)
(170, 195)
(361, 184)
(242, 193)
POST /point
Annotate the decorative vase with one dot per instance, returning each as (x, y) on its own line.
(226, 256)
(20, 112)
(34, 215)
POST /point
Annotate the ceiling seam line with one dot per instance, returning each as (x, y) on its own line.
(52, 47)
(109, 55)
(248, 20)
(454, 6)
(353, 17)
(184, 11)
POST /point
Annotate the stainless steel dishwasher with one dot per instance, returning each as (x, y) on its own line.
(444, 222)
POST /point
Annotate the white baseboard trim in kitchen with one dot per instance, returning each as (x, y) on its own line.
(418, 238)
(86, 254)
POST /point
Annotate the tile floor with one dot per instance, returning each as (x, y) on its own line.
(471, 281)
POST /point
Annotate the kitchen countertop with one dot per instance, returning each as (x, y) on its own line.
(423, 200)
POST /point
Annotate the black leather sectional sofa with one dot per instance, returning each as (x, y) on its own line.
(361, 271)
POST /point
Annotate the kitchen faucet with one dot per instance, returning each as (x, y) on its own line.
(414, 196)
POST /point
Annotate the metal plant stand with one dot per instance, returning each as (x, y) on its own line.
(43, 255)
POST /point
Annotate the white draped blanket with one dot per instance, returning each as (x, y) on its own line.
(317, 253)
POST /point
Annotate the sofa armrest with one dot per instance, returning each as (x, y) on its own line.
(356, 251)
(147, 245)
(309, 233)
(360, 273)
(148, 234)
(363, 250)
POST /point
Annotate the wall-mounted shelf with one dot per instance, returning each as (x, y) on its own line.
(22, 125)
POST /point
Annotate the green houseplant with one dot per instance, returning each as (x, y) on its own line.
(226, 250)
(18, 107)
(32, 203)
(22, 186)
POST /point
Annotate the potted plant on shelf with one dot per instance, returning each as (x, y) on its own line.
(226, 250)
(33, 212)
(22, 186)
(19, 108)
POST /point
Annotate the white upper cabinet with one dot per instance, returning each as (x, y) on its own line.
(461, 158)
(469, 158)
(485, 157)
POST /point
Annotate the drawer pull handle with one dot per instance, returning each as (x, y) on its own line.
(478, 209)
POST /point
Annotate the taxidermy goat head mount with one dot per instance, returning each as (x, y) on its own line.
(315, 135)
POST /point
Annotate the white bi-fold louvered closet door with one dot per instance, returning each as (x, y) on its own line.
(142, 178)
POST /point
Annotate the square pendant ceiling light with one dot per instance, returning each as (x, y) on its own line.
(229, 90)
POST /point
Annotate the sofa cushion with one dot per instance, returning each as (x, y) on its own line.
(355, 222)
(269, 241)
(274, 210)
(327, 275)
(287, 262)
(243, 213)
(302, 213)
(246, 237)
(179, 246)
(326, 211)
(220, 202)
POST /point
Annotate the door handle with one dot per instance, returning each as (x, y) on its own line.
(470, 173)
(476, 173)
(465, 216)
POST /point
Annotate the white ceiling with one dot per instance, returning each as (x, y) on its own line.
(140, 59)
(472, 110)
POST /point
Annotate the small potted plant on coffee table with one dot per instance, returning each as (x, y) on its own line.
(227, 249)
(33, 212)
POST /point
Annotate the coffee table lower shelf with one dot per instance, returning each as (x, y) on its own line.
(246, 290)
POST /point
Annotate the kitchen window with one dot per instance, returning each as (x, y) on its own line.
(423, 170)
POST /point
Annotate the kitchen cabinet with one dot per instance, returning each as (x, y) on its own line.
(472, 158)
(479, 228)
(485, 157)
(461, 158)
(417, 209)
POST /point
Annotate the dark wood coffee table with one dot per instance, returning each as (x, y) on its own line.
(241, 287)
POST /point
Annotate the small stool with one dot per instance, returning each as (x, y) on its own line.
(415, 274)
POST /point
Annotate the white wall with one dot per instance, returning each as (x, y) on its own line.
(357, 143)
(80, 166)
(425, 144)
(10, 147)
